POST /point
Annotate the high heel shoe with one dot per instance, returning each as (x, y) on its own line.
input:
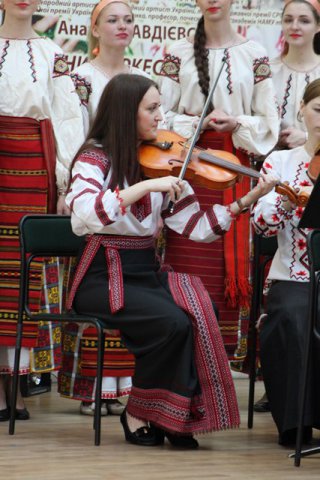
(144, 436)
(180, 441)
(4, 415)
(22, 414)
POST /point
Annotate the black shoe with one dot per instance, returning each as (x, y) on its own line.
(144, 436)
(159, 434)
(262, 407)
(4, 415)
(22, 414)
(182, 441)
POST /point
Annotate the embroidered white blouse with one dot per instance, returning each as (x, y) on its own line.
(270, 218)
(244, 90)
(35, 82)
(290, 85)
(97, 209)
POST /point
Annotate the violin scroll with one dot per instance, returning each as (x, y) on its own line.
(298, 198)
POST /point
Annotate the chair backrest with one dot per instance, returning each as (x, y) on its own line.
(267, 245)
(264, 250)
(48, 235)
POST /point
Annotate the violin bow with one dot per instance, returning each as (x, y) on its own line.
(197, 132)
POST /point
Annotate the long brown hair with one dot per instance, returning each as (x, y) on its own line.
(312, 91)
(115, 126)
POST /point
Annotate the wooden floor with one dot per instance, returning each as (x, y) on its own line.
(57, 444)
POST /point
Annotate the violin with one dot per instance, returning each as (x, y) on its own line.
(166, 156)
(213, 169)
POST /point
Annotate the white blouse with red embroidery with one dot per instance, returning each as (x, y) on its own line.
(270, 218)
(244, 90)
(97, 209)
(290, 86)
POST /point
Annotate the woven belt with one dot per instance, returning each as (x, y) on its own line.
(115, 279)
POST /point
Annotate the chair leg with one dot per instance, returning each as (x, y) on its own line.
(252, 376)
(97, 410)
(14, 391)
(304, 453)
(302, 402)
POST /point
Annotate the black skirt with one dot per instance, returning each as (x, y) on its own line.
(282, 340)
(170, 346)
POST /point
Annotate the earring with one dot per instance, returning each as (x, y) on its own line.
(299, 116)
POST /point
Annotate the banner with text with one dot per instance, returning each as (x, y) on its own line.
(157, 24)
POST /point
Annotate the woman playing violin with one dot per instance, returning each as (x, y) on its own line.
(182, 383)
(283, 332)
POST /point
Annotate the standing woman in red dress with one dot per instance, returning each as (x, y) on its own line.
(242, 119)
(40, 130)
(110, 34)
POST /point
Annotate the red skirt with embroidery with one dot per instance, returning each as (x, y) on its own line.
(26, 172)
(223, 265)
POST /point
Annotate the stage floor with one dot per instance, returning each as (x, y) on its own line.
(57, 444)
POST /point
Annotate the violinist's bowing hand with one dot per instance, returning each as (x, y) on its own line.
(172, 185)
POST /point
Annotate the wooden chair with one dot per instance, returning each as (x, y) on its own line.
(264, 250)
(50, 236)
(313, 335)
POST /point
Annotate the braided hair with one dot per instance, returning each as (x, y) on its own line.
(201, 60)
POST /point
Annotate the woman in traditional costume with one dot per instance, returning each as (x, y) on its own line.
(292, 71)
(182, 383)
(297, 66)
(40, 130)
(111, 31)
(283, 332)
(242, 119)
